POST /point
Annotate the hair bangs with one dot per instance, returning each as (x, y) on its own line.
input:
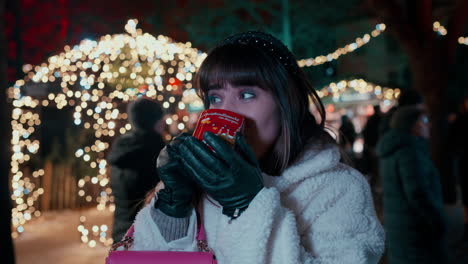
(239, 66)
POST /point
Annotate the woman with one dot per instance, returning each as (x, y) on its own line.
(280, 195)
(414, 214)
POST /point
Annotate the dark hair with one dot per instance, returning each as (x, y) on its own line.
(251, 62)
(409, 97)
(405, 117)
(144, 113)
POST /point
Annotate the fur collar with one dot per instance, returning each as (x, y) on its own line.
(315, 159)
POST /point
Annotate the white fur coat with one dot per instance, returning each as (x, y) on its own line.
(317, 211)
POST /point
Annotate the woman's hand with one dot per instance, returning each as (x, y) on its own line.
(231, 178)
(177, 190)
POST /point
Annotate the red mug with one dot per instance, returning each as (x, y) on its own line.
(224, 123)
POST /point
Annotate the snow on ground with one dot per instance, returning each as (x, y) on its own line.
(54, 238)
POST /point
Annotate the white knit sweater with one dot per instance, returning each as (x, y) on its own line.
(317, 211)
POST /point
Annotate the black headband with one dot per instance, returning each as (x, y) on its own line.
(268, 44)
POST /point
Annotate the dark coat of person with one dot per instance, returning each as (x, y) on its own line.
(133, 164)
(348, 132)
(460, 147)
(370, 133)
(371, 130)
(414, 216)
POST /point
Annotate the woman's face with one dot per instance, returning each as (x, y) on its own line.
(258, 106)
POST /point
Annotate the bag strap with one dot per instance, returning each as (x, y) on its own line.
(130, 231)
(126, 242)
(201, 236)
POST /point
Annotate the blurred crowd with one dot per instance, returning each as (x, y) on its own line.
(411, 195)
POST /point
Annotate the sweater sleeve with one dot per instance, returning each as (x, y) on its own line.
(171, 228)
(156, 231)
(267, 232)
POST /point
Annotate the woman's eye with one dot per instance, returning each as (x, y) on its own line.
(247, 95)
(214, 99)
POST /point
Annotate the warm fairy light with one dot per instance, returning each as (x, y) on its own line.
(337, 90)
(437, 27)
(96, 77)
(463, 40)
(359, 42)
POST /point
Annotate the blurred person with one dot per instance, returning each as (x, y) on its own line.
(460, 142)
(347, 134)
(132, 158)
(407, 97)
(370, 134)
(414, 217)
(280, 195)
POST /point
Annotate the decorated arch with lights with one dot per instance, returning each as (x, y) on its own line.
(96, 80)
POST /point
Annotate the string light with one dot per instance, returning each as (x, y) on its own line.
(336, 90)
(441, 30)
(438, 28)
(359, 42)
(463, 40)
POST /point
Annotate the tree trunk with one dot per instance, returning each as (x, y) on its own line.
(6, 248)
(431, 70)
(286, 24)
(16, 8)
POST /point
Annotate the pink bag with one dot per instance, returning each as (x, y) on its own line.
(205, 256)
(156, 257)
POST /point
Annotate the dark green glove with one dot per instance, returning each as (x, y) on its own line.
(231, 178)
(176, 197)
